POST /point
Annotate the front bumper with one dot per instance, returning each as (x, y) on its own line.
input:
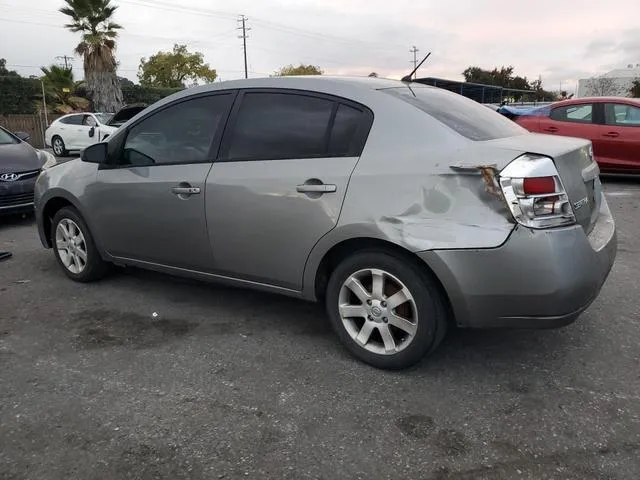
(536, 279)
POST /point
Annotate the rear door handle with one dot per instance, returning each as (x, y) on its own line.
(185, 190)
(311, 188)
(611, 134)
(550, 129)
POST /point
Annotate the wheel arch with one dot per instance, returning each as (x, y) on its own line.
(55, 200)
(341, 250)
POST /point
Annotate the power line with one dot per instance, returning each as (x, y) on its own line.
(244, 29)
(65, 58)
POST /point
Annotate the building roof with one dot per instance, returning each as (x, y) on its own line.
(624, 72)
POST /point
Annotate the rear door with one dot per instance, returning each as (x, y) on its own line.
(280, 181)
(69, 130)
(620, 137)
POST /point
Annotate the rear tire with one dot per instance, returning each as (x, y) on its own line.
(74, 247)
(385, 310)
(58, 146)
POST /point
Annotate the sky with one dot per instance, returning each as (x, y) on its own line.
(558, 41)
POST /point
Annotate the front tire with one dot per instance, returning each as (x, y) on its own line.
(385, 310)
(58, 146)
(74, 247)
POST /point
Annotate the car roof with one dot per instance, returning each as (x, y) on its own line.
(581, 100)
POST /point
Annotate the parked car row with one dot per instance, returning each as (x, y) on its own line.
(390, 202)
(612, 124)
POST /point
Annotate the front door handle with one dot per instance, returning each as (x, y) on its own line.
(611, 134)
(550, 129)
(311, 188)
(185, 190)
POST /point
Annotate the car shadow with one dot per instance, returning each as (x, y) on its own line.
(256, 312)
(17, 220)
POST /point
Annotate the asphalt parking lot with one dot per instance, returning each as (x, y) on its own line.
(145, 376)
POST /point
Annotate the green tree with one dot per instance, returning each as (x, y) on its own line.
(635, 88)
(93, 19)
(61, 90)
(4, 72)
(299, 70)
(172, 69)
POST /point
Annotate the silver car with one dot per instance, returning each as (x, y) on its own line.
(405, 208)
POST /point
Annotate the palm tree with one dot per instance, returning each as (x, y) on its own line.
(61, 90)
(93, 19)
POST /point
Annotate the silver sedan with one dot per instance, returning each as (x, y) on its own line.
(404, 208)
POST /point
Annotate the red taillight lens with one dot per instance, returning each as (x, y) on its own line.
(539, 185)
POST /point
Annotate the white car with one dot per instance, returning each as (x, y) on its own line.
(76, 131)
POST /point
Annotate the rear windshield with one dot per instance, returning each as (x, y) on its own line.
(467, 117)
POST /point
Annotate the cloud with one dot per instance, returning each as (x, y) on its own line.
(553, 39)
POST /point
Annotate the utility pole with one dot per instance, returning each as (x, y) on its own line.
(415, 51)
(244, 29)
(66, 60)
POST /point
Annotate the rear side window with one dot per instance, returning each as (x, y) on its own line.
(622, 115)
(72, 120)
(573, 113)
(280, 126)
(344, 134)
(463, 115)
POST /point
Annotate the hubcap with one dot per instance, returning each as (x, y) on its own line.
(71, 246)
(378, 311)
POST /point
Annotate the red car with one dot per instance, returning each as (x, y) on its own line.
(611, 123)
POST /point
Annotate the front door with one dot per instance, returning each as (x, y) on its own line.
(620, 137)
(278, 187)
(85, 139)
(148, 203)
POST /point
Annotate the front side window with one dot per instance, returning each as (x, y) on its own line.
(103, 118)
(89, 121)
(280, 126)
(181, 133)
(622, 115)
(573, 113)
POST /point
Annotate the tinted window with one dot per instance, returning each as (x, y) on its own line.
(573, 113)
(622, 115)
(280, 125)
(181, 133)
(467, 117)
(72, 120)
(343, 134)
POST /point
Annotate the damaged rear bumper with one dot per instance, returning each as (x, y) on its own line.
(536, 279)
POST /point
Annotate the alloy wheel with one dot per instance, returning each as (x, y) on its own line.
(71, 246)
(378, 311)
(57, 146)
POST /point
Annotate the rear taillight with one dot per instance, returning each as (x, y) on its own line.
(534, 192)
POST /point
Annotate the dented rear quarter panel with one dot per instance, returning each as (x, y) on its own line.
(421, 186)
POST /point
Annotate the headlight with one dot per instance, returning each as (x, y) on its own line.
(47, 159)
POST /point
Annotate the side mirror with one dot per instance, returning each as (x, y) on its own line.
(92, 132)
(96, 153)
(24, 136)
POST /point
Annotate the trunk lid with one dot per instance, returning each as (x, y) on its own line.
(576, 166)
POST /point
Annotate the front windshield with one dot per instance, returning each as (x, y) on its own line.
(103, 117)
(6, 138)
